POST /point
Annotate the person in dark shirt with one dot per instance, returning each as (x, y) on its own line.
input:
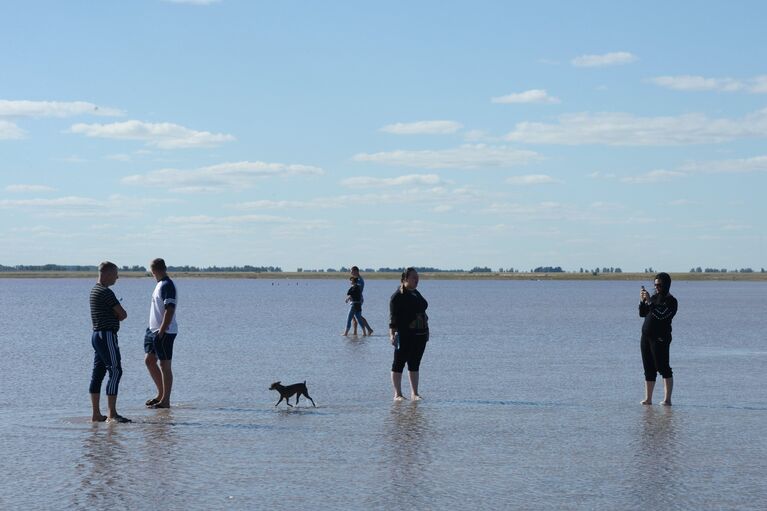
(355, 271)
(657, 310)
(408, 332)
(106, 314)
(354, 297)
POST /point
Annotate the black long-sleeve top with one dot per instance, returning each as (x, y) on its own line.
(355, 294)
(407, 314)
(657, 314)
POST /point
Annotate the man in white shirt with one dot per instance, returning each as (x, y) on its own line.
(160, 335)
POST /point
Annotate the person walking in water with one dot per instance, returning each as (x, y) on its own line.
(408, 332)
(106, 314)
(160, 335)
(354, 297)
(657, 310)
(355, 271)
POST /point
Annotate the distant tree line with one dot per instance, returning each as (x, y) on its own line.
(48, 267)
(721, 270)
(92, 268)
(276, 269)
(605, 269)
(224, 269)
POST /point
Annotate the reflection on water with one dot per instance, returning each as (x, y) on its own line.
(118, 462)
(408, 433)
(656, 482)
(101, 469)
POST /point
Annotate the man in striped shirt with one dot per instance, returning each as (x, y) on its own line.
(106, 314)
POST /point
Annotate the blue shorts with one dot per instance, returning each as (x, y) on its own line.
(162, 348)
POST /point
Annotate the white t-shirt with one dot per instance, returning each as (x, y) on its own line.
(164, 295)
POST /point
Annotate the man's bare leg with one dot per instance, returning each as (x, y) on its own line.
(151, 364)
(96, 415)
(167, 383)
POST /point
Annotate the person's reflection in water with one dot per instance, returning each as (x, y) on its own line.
(408, 453)
(656, 484)
(103, 480)
(159, 452)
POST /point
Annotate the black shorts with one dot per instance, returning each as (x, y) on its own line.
(161, 347)
(410, 352)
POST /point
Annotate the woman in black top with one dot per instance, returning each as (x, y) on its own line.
(354, 297)
(657, 310)
(408, 332)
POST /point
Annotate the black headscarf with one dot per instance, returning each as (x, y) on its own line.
(665, 283)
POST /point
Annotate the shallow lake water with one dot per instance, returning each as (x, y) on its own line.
(531, 400)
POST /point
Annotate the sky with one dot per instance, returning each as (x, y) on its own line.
(433, 133)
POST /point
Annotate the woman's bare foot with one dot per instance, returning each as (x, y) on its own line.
(399, 397)
(118, 418)
(666, 402)
(415, 397)
(98, 418)
(646, 402)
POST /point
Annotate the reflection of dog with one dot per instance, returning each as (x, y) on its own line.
(287, 392)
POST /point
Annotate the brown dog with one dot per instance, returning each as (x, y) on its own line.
(286, 392)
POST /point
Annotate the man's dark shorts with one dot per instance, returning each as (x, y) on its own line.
(162, 347)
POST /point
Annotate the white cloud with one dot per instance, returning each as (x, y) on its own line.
(320, 203)
(24, 108)
(654, 176)
(423, 196)
(162, 135)
(626, 129)
(605, 176)
(423, 128)
(215, 220)
(532, 179)
(464, 157)
(9, 131)
(215, 178)
(528, 96)
(735, 166)
(607, 59)
(756, 85)
(378, 182)
(682, 202)
(28, 188)
(118, 157)
(70, 202)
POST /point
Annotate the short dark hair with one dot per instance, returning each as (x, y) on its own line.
(354, 268)
(158, 264)
(107, 266)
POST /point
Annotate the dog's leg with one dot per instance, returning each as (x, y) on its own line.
(309, 398)
(278, 402)
(287, 401)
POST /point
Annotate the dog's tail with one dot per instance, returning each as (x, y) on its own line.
(304, 382)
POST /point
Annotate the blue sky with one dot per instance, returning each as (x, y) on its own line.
(431, 133)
